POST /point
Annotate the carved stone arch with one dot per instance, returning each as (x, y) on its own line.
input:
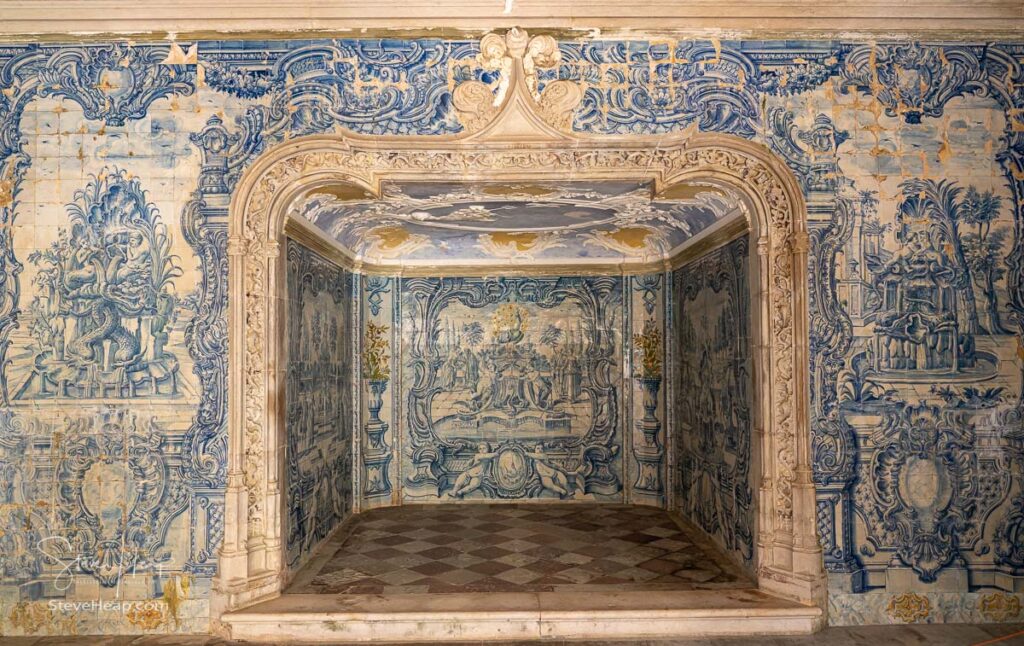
(521, 139)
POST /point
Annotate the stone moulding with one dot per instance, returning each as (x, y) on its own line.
(781, 18)
(516, 145)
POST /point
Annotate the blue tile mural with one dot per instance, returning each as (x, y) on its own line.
(116, 170)
(509, 365)
(512, 388)
(714, 410)
(318, 401)
(105, 299)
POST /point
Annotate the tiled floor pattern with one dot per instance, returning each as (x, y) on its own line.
(518, 548)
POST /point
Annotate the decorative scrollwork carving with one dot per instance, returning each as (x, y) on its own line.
(517, 59)
(716, 156)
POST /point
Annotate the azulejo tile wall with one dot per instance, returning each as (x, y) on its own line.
(117, 163)
(713, 372)
(318, 401)
(511, 389)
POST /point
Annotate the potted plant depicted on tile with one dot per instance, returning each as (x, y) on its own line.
(377, 373)
(649, 454)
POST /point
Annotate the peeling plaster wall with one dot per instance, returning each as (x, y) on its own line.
(115, 174)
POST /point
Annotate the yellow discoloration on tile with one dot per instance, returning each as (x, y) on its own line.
(176, 591)
(37, 618)
(6, 192)
(390, 237)
(688, 191)
(522, 241)
(146, 616)
(535, 190)
(717, 44)
(344, 192)
(999, 607)
(635, 237)
(909, 607)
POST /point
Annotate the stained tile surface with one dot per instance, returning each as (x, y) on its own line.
(519, 548)
(115, 170)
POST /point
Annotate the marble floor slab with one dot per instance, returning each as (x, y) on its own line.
(517, 548)
(930, 634)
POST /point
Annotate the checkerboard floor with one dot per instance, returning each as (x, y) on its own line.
(517, 548)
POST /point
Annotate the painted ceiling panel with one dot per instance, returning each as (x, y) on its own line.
(477, 223)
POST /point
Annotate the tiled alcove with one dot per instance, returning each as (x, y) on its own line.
(864, 142)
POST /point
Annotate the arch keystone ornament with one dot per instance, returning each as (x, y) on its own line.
(513, 131)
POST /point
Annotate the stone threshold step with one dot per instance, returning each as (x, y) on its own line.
(516, 616)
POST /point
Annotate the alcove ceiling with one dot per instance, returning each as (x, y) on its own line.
(570, 224)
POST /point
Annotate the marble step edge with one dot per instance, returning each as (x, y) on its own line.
(518, 616)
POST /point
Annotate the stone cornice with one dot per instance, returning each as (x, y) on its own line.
(190, 19)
